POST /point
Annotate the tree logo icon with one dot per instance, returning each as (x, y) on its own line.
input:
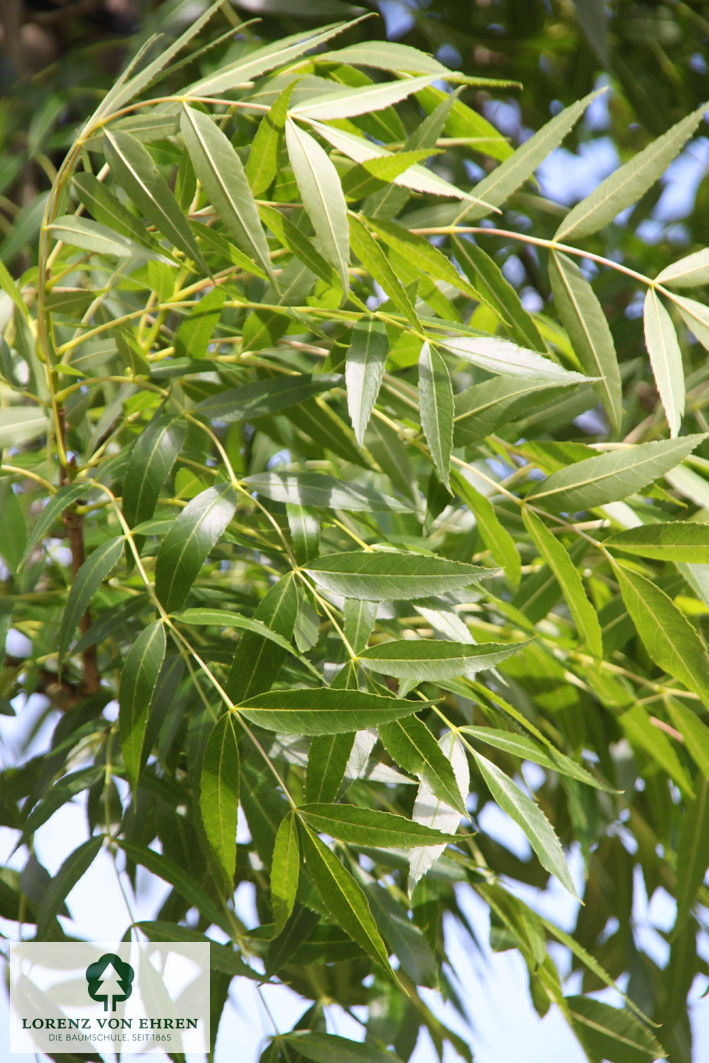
(110, 979)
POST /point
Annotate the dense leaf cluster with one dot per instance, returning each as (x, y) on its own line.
(353, 535)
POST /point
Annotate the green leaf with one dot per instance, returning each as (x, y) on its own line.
(433, 811)
(222, 958)
(642, 734)
(366, 358)
(692, 850)
(224, 618)
(136, 172)
(693, 731)
(323, 711)
(365, 826)
(139, 677)
(152, 457)
(383, 575)
(360, 616)
(610, 1034)
(628, 183)
(13, 529)
(372, 174)
(343, 897)
(529, 817)
(611, 476)
(64, 497)
(304, 529)
(261, 60)
(285, 871)
(327, 760)
(92, 236)
(320, 491)
(196, 329)
(297, 242)
(95, 569)
(257, 659)
(689, 272)
(422, 659)
(671, 541)
(261, 398)
(349, 102)
(185, 547)
(497, 539)
(185, 882)
(669, 638)
(509, 175)
(262, 163)
(375, 261)
(500, 356)
(483, 408)
(435, 394)
(219, 794)
(490, 281)
(695, 316)
(415, 177)
(585, 322)
(326, 1048)
(221, 174)
(109, 211)
(410, 743)
(72, 870)
(570, 582)
(323, 197)
(397, 59)
(527, 749)
(21, 424)
(665, 358)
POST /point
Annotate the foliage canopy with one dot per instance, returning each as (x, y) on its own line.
(354, 532)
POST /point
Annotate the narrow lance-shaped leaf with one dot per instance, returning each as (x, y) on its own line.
(349, 102)
(221, 174)
(665, 359)
(695, 316)
(483, 408)
(422, 659)
(500, 356)
(410, 743)
(436, 405)
(383, 575)
(671, 541)
(583, 317)
(569, 579)
(262, 163)
(321, 491)
(151, 460)
(21, 424)
(370, 827)
(324, 711)
(612, 476)
(261, 398)
(668, 636)
(64, 497)
(375, 261)
(343, 897)
(191, 537)
(323, 197)
(219, 794)
(490, 281)
(97, 566)
(360, 616)
(285, 871)
(366, 358)
(72, 870)
(93, 236)
(496, 537)
(526, 748)
(509, 175)
(629, 182)
(435, 811)
(327, 761)
(609, 1033)
(692, 852)
(325, 1048)
(529, 816)
(186, 884)
(689, 272)
(261, 60)
(135, 170)
(135, 693)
